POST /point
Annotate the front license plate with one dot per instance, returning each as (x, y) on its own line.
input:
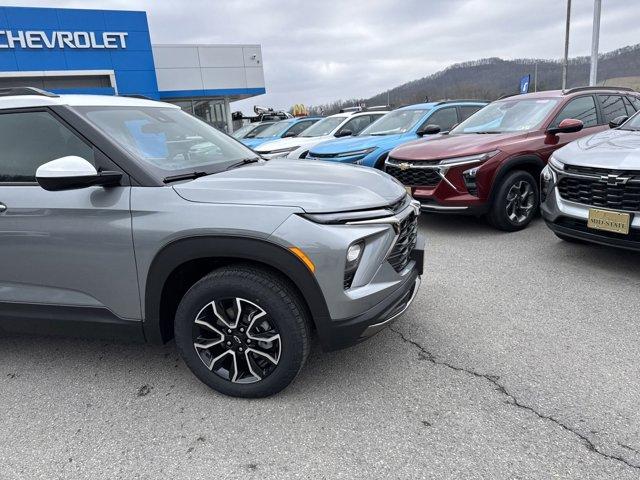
(408, 189)
(609, 221)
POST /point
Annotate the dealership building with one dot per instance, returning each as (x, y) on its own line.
(111, 52)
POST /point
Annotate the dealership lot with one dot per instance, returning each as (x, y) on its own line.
(517, 360)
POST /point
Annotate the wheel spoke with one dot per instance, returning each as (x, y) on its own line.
(245, 347)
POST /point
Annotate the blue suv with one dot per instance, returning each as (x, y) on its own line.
(405, 124)
(291, 127)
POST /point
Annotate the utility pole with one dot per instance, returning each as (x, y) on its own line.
(565, 62)
(595, 39)
(535, 78)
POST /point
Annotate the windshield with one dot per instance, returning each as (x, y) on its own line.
(323, 127)
(508, 116)
(167, 138)
(275, 129)
(400, 121)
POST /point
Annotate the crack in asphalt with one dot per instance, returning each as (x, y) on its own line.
(494, 379)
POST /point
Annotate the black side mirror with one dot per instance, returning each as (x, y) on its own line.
(343, 133)
(616, 122)
(428, 130)
(290, 134)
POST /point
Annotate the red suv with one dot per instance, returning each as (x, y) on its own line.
(491, 163)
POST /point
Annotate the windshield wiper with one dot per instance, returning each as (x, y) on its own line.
(242, 162)
(184, 176)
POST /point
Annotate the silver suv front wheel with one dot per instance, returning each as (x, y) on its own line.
(242, 331)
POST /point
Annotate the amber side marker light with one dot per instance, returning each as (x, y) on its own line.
(303, 256)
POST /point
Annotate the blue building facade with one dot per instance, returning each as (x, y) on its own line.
(111, 52)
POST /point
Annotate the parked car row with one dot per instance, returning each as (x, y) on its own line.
(471, 157)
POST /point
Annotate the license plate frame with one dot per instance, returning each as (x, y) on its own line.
(609, 221)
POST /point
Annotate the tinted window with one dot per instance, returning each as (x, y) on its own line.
(612, 106)
(467, 110)
(581, 108)
(635, 101)
(630, 108)
(445, 118)
(396, 122)
(30, 139)
(356, 125)
(300, 127)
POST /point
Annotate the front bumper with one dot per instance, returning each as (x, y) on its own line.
(568, 218)
(337, 334)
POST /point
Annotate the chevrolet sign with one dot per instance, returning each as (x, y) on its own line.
(40, 39)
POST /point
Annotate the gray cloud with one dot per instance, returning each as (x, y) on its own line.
(318, 51)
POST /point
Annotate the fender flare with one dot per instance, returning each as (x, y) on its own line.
(226, 247)
(530, 160)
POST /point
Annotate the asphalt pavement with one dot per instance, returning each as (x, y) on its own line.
(518, 360)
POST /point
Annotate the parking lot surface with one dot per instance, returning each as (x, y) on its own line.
(518, 359)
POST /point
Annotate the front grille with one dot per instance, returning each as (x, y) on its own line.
(596, 192)
(415, 177)
(401, 253)
(348, 279)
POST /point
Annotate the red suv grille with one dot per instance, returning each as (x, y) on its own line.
(427, 177)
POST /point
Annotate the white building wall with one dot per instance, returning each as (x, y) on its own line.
(208, 67)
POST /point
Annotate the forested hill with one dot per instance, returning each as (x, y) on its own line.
(490, 78)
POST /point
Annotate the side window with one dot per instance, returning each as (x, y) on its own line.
(612, 106)
(581, 108)
(445, 118)
(299, 127)
(630, 108)
(30, 139)
(635, 101)
(376, 117)
(356, 124)
(467, 110)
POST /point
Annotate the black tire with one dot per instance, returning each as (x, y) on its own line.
(569, 239)
(519, 214)
(250, 287)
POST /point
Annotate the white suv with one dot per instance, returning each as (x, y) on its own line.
(335, 126)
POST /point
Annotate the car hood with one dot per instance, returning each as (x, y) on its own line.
(254, 142)
(611, 149)
(290, 142)
(445, 146)
(315, 187)
(360, 143)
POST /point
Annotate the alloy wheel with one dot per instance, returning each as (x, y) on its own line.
(236, 340)
(520, 202)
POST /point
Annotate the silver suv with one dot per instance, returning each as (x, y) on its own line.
(591, 188)
(128, 217)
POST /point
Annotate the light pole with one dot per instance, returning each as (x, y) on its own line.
(595, 39)
(565, 61)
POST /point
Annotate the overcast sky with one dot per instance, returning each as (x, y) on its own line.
(319, 51)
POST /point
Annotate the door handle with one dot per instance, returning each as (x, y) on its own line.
(3, 208)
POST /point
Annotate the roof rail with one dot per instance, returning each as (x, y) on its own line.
(603, 87)
(443, 102)
(135, 95)
(19, 91)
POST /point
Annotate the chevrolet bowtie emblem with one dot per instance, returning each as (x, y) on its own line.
(613, 180)
(404, 166)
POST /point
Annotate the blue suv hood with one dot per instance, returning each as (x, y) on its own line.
(256, 142)
(386, 142)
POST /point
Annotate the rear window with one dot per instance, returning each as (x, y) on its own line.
(612, 106)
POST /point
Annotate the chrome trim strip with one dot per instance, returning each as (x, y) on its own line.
(441, 207)
(377, 326)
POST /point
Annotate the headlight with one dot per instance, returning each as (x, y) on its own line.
(354, 254)
(353, 153)
(555, 163)
(481, 157)
(341, 218)
(547, 182)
